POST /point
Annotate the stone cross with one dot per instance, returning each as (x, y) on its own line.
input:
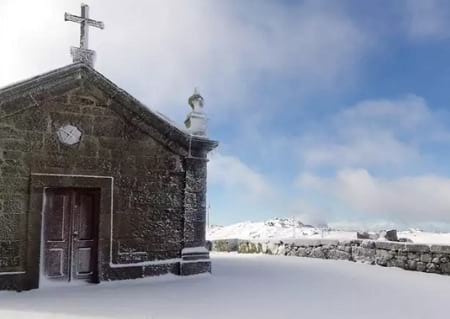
(83, 54)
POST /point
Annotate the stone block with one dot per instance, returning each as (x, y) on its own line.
(225, 245)
(158, 270)
(32, 120)
(442, 249)
(432, 268)
(426, 258)
(390, 235)
(81, 100)
(15, 204)
(9, 132)
(192, 268)
(412, 265)
(12, 254)
(389, 245)
(122, 273)
(416, 248)
(339, 254)
(153, 224)
(362, 254)
(13, 226)
(383, 257)
(248, 247)
(344, 248)
(413, 256)
(400, 261)
(421, 266)
(368, 244)
(445, 268)
(318, 252)
(302, 252)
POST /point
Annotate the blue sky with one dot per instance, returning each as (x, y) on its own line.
(333, 112)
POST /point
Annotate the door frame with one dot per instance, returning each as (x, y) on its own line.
(41, 181)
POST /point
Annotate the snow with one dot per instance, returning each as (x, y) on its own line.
(271, 229)
(288, 228)
(418, 236)
(247, 286)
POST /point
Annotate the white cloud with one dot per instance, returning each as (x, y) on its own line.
(308, 212)
(231, 174)
(407, 113)
(384, 135)
(374, 133)
(378, 148)
(35, 36)
(159, 50)
(410, 199)
(427, 19)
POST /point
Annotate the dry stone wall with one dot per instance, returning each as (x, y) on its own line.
(409, 256)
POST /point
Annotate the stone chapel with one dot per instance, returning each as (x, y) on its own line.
(95, 186)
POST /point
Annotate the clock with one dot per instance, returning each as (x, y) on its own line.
(69, 134)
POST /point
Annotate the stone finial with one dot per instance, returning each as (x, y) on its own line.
(196, 101)
(196, 121)
(83, 54)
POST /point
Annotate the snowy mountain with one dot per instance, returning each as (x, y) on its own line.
(276, 228)
(289, 228)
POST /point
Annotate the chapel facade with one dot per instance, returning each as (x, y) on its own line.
(95, 186)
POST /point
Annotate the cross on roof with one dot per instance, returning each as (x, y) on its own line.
(83, 54)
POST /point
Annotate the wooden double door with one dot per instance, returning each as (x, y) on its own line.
(70, 234)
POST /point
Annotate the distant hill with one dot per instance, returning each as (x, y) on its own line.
(276, 228)
(289, 228)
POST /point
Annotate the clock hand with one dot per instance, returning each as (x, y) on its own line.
(66, 135)
(71, 131)
(63, 134)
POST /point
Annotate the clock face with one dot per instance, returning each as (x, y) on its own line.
(69, 134)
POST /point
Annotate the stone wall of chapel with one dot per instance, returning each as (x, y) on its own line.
(149, 179)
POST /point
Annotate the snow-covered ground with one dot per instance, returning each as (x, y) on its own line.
(279, 228)
(247, 287)
(422, 237)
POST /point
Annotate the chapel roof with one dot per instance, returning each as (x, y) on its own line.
(18, 96)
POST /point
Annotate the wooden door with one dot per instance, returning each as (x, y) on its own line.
(84, 234)
(57, 239)
(70, 234)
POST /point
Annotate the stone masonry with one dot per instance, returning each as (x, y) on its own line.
(156, 185)
(409, 256)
